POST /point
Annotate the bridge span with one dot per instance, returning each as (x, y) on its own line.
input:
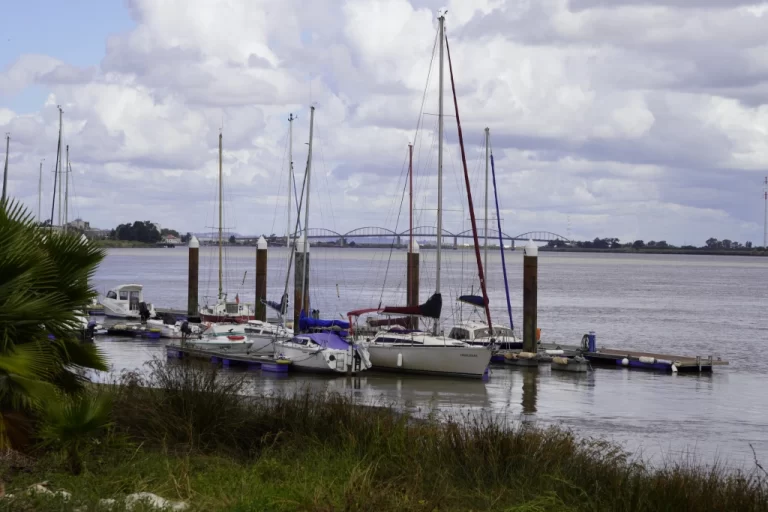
(420, 233)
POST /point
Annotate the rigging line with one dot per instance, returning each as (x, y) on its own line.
(279, 186)
(469, 192)
(392, 245)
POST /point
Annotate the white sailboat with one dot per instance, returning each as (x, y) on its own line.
(321, 351)
(415, 351)
(224, 309)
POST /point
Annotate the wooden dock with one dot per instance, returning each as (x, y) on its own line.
(227, 359)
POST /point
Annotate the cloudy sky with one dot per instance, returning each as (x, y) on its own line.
(627, 118)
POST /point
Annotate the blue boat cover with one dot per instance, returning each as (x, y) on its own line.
(306, 323)
(474, 300)
(327, 339)
(280, 307)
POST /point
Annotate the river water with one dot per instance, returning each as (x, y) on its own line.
(677, 304)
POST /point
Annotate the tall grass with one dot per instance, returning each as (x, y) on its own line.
(471, 461)
(195, 435)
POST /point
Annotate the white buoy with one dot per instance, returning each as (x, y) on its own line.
(625, 362)
(674, 368)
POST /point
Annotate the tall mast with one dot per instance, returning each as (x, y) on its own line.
(221, 197)
(765, 226)
(40, 194)
(441, 36)
(56, 169)
(410, 197)
(485, 228)
(290, 178)
(66, 193)
(5, 169)
(306, 209)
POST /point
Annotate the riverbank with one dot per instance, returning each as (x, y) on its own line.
(187, 433)
(653, 250)
(123, 244)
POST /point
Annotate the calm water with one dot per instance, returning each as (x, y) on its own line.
(697, 305)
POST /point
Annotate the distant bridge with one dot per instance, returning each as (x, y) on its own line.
(422, 232)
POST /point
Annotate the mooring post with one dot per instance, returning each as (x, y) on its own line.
(300, 283)
(412, 281)
(261, 279)
(194, 267)
(530, 292)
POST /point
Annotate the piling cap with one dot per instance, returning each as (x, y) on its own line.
(415, 248)
(531, 249)
(194, 243)
(84, 238)
(261, 244)
(300, 245)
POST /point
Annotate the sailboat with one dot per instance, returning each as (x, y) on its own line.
(225, 309)
(402, 350)
(477, 332)
(325, 352)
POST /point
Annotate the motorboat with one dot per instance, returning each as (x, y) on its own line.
(126, 301)
(324, 352)
(221, 337)
(264, 334)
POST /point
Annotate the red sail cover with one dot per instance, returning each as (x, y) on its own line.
(430, 309)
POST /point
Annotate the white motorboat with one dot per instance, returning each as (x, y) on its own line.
(264, 335)
(323, 352)
(221, 338)
(419, 352)
(125, 301)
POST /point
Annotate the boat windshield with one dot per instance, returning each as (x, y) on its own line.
(111, 294)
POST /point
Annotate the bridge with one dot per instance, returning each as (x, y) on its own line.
(421, 232)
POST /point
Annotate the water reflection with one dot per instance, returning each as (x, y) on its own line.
(530, 389)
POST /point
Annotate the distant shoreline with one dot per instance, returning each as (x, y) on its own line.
(123, 244)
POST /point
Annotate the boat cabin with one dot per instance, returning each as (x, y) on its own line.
(129, 295)
(471, 331)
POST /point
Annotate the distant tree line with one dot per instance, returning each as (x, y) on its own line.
(144, 231)
(712, 244)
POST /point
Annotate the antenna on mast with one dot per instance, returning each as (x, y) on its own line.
(765, 222)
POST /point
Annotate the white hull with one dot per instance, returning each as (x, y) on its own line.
(118, 312)
(264, 345)
(452, 361)
(232, 347)
(314, 359)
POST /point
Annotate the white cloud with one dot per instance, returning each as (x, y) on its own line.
(633, 118)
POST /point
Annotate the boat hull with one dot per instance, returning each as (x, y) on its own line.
(221, 346)
(315, 360)
(470, 362)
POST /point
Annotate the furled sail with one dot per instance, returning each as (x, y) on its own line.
(280, 307)
(473, 300)
(430, 309)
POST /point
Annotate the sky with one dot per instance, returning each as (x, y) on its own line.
(636, 119)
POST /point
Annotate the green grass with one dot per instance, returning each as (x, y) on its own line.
(187, 433)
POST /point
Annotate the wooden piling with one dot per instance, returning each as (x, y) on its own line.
(261, 279)
(300, 283)
(412, 281)
(194, 268)
(530, 295)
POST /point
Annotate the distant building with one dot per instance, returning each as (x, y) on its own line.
(80, 224)
(170, 240)
(97, 234)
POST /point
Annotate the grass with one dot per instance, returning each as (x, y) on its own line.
(189, 433)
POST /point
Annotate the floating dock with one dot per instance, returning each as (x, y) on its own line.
(228, 360)
(634, 359)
